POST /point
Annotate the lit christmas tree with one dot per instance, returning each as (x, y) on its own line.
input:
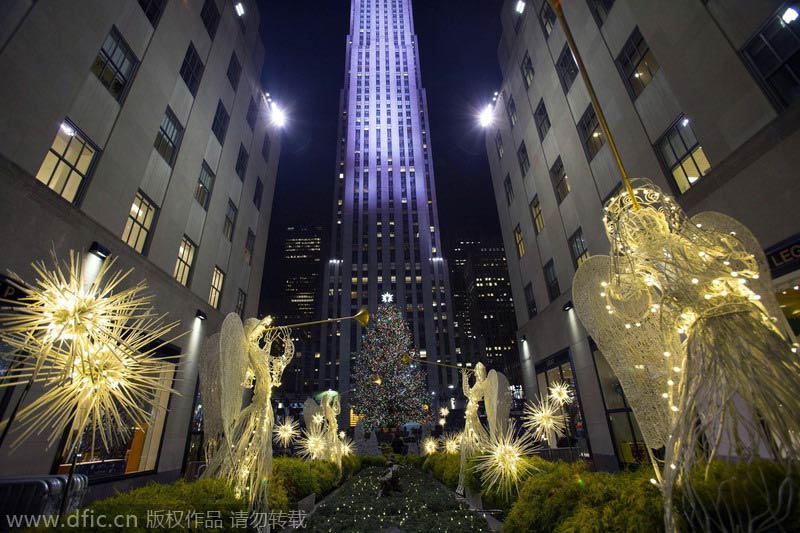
(388, 390)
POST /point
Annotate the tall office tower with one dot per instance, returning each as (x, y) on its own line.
(141, 126)
(483, 307)
(385, 237)
(703, 98)
(302, 265)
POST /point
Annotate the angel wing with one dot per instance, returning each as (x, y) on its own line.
(634, 351)
(310, 408)
(233, 362)
(763, 285)
(497, 400)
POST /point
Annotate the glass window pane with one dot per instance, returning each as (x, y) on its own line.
(61, 141)
(85, 159)
(702, 161)
(680, 178)
(46, 171)
(71, 188)
(59, 178)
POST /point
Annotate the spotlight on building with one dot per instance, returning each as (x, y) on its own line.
(486, 117)
(520, 7)
(567, 306)
(789, 16)
(201, 315)
(524, 339)
(99, 250)
(239, 7)
(277, 115)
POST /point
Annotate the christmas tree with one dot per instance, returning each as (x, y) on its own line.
(389, 390)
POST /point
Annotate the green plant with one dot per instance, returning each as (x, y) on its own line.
(372, 460)
(351, 464)
(326, 474)
(297, 477)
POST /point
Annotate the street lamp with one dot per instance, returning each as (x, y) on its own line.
(486, 117)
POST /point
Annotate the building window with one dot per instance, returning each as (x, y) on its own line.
(559, 369)
(558, 177)
(153, 9)
(519, 13)
(168, 138)
(541, 119)
(567, 68)
(519, 241)
(252, 110)
(230, 220)
(114, 64)
(192, 69)
(591, 133)
(68, 162)
(577, 248)
(527, 70)
(600, 10)
(220, 124)
(498, 142)
(217, 279)
(210, 17)
(511, 111)
(266, 147)
(241, 162)
(637, 64)
(536, 215)
(249, 246)
(553, 290)
(241, 301)
(185, 262)
(522, 156)
(682, 155)
(530, 301)
(234, 71)
(205, 185)
(140, 221)
(509, 189)
(547, 18)
(774, 54)
(258, 193)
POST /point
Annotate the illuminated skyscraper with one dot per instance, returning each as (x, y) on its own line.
(385, 237)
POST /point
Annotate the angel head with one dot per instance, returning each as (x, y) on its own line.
(480, 372)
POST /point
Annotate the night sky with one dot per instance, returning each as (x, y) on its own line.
(304, 72)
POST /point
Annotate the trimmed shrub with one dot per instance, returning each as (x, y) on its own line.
(327, 475)
(372, 460)
(297, 477)
(351, 464)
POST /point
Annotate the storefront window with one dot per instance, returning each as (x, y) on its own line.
(628, 441)
(194, 449)
(138, 452)
(556, 369)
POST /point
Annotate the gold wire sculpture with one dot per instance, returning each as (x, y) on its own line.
(286, 432)
(451, 442)
(91, 344)
(346, 445)
(502, 462)
(245, 356)
(312, 445)
(545, 419)
(430, 446)
(684, 312)
(560, 393)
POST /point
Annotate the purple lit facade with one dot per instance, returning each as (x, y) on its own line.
(385, 221)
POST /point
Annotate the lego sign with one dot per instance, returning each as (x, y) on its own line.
(784, 257)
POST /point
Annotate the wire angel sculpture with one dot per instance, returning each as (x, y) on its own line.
(331, 408)
(238, 358)
(684, 312)
(89, 339)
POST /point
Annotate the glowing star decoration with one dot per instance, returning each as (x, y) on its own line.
(559, 393)
(430, 446)
(502, 463)
(444, 411)
(442, 421)
(318, 419)
(387, 297)
(451, 442)
(253, 356)
(312, 444)
(544, 418)
(286, 432)
(346, 445)
(672, 309)
(90, 345)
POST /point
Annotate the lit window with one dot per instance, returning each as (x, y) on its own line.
(567, 68)
(541, 119)
(185, 262)
(553, 290)
(68, 162)
(682, 155)
(577, 248)
(217, 279)
(249, 246)
(140, 221)
(241, 300)
(519, 241)
(114, 64)
(205, 185)
(636, 64)
(192, 69)
(230, 220)
(590, 133)
(168, 138)
(558, 177)
(536, 214)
